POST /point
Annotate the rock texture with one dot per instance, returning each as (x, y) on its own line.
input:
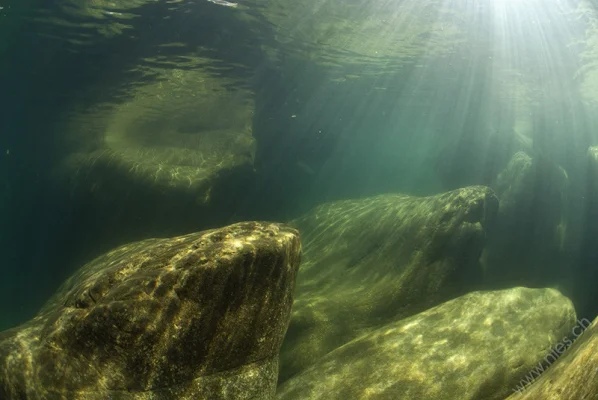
(177, 154)
(573, 376)
(474, 347)
(200, 316)
(375, 260)
(179, 133)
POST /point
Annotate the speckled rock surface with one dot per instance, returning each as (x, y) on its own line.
(471, 348)
(371, 261)
(200, 316)
(574, 376)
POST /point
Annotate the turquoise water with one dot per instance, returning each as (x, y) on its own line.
(125, 120)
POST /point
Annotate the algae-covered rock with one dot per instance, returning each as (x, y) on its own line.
(373, 260)
(180, 132)
(573, 376)
(200, 316)
(514, 183)
(175, 156)
(528, 243)
(474, 347)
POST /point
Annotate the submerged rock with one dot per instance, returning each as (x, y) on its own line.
(177, 153)
(478, 157)
(528, 243)
(586, 275)
(200, 316)
(370, 261)
(573, 376)
(474, 347)
(179, 131)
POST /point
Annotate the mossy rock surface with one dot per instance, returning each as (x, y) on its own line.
(200, 316)
(182, 132)
(174, 155)
(371, 261)
(471, 348)
(573, 376)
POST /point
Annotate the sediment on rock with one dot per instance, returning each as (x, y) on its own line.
(200, 316)
(371, 261)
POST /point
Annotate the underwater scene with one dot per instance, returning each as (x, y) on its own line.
(312, 199)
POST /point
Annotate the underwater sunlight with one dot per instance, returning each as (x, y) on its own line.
(295, 200)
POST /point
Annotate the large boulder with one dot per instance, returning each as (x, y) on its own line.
(478, 157)
(528, 244)
(585, 274)
(180, 132)
(200, 316)
(573, 376)
(370, 261)
(175, 154)
(474, 347)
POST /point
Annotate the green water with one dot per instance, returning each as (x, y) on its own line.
(125, 120)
